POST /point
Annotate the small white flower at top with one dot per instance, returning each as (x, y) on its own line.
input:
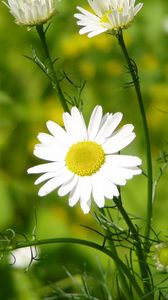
(31, 12)
(108, 15)
(84, 162)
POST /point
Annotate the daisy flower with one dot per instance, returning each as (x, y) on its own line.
(31, 12)
(161, 257)
(107, 15)
(84, 162)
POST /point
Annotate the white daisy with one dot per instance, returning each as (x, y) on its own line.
(31, 12)
(84, 162)
(107, 15)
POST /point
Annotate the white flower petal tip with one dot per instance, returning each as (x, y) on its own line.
(31, 12)
(42, 194)
(29, 171)
(107, 15)
(83, 161)
(85, 207)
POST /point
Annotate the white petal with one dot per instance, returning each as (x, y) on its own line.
(59, 133)
(97, 190)
(113, 174)
(85, 188)
(81, 191)
(137, 8)
(79, 124)
(85, 13)
(94, 122)
(50, 167)
(109, 189)
(74, 195)
(54, 153)
(98, 7)
(74, 125)
(108, 127)
(86, 29)
(103, 187)
(128, 173)
(50, 175)
(85, 206)
(53, 183)
(119, 140)
(115, 120)
(119, 174)
(124, 160)
(68, 186)
(46, 138)
(44, 177)
(97, 32)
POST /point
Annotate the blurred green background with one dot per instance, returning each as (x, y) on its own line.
(27, 101)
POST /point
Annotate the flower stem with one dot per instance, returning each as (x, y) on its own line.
(145, 275)
(50, 72)
(135, 80)
(96, 246)
(113, 249)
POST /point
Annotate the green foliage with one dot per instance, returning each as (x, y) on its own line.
(27, 101)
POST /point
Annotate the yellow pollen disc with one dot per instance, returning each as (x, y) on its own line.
(85, 158)
(163, 256)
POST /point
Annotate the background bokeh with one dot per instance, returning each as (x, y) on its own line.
(27, 101)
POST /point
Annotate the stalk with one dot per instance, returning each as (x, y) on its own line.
(145, 275)
(50, 68)
(135, 79)
(90, 244)
(116, 257)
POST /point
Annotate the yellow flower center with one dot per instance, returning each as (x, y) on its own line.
(104, 18)
(163, 256)
(85, 158)
(120, 9)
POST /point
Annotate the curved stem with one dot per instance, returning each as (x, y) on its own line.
(51, 71)
(135, 80)
(119, 262)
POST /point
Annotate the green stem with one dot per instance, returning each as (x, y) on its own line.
(50, 68)
(139, 251)
(134, 74)
(125, 286)
(119, 262)
(116, 257)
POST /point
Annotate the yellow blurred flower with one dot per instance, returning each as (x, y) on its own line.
(53, 110)
(149, 62)
(113, 67)
(158, 111)
(87, 69)
(74, 45)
